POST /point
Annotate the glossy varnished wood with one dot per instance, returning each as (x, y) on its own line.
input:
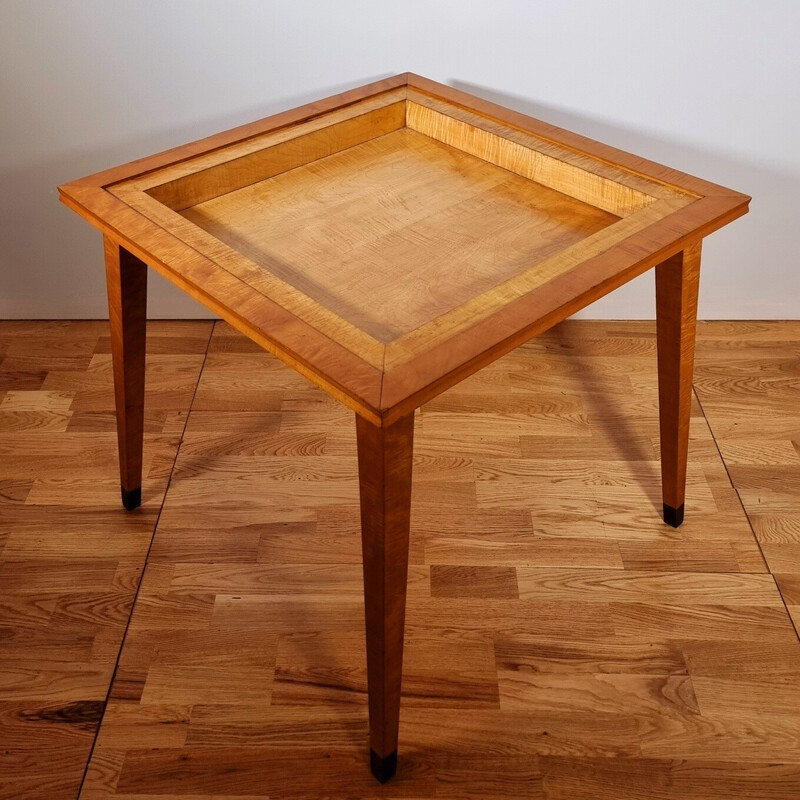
(126, 281)
(385, 458)
(388, 243)
(338, 228)
(677, 284)
(384, 350)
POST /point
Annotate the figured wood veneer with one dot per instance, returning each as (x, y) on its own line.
(391, 240)
(395, 232)
(388, 243)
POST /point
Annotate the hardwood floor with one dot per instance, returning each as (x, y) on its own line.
(70, 557)
(562, 642)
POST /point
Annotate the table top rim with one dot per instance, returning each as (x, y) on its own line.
(383, 389)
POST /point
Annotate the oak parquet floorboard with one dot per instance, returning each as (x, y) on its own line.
(70, 557)
(561, 642)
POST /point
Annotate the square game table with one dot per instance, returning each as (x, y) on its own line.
(387, 243)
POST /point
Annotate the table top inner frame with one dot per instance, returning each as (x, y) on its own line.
(168, 194)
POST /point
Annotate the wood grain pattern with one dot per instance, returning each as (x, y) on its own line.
(528, 157)
(457, 224)
(749, 394)
(222, 171)
(70, 556)
(385, 457)
(298, 286)
(558, 645)
(418, 344)
(546, 132)
(470, 251)
(126, 281)
(677, 284)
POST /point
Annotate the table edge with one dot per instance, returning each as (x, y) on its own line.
(380, 395)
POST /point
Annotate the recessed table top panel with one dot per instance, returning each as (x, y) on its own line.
(392, 233)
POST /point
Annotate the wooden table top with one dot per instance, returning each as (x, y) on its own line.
(390, 241)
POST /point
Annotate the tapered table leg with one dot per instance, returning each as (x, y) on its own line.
(384, 472)
(677, 281)
(126, 280)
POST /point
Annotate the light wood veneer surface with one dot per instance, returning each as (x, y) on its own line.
(392, 233)
(392, 240)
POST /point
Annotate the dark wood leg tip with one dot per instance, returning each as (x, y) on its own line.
(673, 516)
(132, 499)
(383, 768)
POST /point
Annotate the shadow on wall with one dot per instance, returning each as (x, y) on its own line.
(51, 259)
(756, 251)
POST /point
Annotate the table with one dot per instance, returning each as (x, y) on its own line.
(387, 243)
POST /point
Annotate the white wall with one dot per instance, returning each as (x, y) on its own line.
(707, 86)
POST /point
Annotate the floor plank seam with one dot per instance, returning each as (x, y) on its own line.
(746, 513)
(562, 642)
(144, 567)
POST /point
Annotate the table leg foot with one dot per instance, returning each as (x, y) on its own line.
(132, 499)
(673, 516)
(383, 768)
